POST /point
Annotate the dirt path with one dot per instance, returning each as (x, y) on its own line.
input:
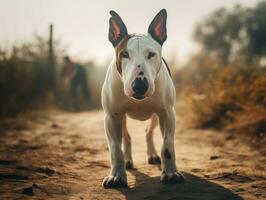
(66, 157)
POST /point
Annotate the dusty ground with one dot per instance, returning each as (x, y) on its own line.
(65, 156)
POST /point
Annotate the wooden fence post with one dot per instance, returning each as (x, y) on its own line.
(51, 59)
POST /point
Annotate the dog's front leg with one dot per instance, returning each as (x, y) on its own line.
(117, 176)
(169, 170)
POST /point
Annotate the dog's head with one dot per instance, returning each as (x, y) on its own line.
(138, 57)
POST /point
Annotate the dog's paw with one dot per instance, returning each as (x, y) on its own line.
(114, 182)
(174, 177)
(154, 160)
(129, 164)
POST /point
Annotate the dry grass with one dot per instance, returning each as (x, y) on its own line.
(23, 76)
(231, 97)
(25, 80)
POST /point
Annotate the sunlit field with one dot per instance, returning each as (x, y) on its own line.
(52, 140)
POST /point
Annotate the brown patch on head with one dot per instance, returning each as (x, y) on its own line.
(119, 49)
(167, 154)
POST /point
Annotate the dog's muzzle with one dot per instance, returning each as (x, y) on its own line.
(139, 87)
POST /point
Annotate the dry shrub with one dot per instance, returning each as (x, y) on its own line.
(24, 75)
(231, 96)
(25, 80)
(22, 80)
(251, 121)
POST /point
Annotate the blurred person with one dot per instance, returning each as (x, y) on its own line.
(76, 73)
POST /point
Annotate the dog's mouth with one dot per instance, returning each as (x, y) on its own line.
(138, 97)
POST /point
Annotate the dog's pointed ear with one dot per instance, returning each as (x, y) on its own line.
(117, 28)
(157, 28)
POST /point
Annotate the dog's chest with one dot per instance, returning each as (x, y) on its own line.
(140, 111)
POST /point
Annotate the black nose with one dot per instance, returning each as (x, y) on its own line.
(140, 86)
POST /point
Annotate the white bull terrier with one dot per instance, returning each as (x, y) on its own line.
(138, 84)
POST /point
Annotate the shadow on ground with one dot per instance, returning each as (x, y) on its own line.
(147, 187)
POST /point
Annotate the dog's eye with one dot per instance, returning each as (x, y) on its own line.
(124, 54)
(150, 55)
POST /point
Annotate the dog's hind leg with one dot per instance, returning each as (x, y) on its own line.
(127, 145)
(153, 157)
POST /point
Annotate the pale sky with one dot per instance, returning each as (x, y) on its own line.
(83, 24)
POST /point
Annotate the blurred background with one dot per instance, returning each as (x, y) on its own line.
(53, 59)
(216, 51)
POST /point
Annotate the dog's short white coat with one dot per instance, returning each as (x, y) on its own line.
(159, 104)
